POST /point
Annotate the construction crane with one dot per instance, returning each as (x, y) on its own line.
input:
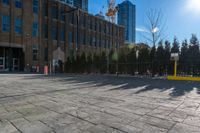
(101, 11)
(112, 10)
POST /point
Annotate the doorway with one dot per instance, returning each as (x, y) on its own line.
(2, 63)
(15, 64)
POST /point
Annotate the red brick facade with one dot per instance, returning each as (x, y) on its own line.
(94, 34)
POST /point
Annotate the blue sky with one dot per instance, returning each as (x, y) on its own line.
(182, 17)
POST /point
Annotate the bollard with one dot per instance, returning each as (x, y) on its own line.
(46, 70)
(37, 69)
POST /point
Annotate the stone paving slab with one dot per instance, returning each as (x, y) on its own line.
(97, 104)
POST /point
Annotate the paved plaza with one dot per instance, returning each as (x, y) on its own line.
(97, 104)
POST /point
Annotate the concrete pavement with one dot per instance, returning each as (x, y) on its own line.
(97, 104)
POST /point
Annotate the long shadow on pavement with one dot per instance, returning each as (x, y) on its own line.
(178, 88)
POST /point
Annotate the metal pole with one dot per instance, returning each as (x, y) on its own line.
(107, 61)
(175, 68)
(50, 69)
(117, 65)
(4, 59)
(77, 30)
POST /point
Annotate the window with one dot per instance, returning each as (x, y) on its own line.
(91, 23)
(54, 12)
(18, 3)
(6, 2)
(88, 22)
(35, 29)
(96, 25)
(35, 6)
(54, 33)
(45, 31)
(91, 40)
(62, 34)
(18, 26)
(35, 52)
(45, 7)
(84, 38)
(46, 54)
(94, 41)
(99, 27)
(70, 37)
(6, 23)
(100, 42)
(71, 18)
(62, 15)
(105, 28)
(84, 21)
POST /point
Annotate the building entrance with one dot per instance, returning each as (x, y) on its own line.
(15, 66)
(11, 59)
(2, 63)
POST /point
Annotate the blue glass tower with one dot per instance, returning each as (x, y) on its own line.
(83, 4)
(70, 2)
(126, 17)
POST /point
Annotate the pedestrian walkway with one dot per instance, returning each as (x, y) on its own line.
(97, 104)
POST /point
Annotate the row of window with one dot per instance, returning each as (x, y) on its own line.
(6, 24)
(92, 41)
(84, 20)
(54, 30)
(18, 26)
(18, 4)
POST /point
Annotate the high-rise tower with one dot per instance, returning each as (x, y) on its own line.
(126, 17)
(83, 4)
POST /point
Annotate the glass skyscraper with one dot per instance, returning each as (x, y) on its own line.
(70, 2)
(83, 4)
(126, 17)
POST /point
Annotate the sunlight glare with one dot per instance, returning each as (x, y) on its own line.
(193, 6)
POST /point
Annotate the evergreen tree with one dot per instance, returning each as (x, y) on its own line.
(122, 61)
(112, 65)
(82, 63)
(72, 65)
(184, 56)
(193, 51)
(160, 56)
(175, 46)
(96, 62)
(89, 63)
(153, 60)
(67, 65)
(167, 56)
(131, 61)
(167, 50)
(193, 54)
(103, 62)
(143, 60)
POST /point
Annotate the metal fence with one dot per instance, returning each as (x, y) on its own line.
(141, 68)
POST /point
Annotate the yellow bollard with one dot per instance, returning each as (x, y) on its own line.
(175, 68)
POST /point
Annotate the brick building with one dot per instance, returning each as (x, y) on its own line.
(44, 32)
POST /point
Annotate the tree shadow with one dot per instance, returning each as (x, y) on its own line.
(138, 85)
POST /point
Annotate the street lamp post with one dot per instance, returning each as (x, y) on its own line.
(27, 67)
(137, 62)
(77, 27)
(107, 60)
(117, 63)
(66, 13)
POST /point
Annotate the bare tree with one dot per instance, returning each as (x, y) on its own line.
(155, 26)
